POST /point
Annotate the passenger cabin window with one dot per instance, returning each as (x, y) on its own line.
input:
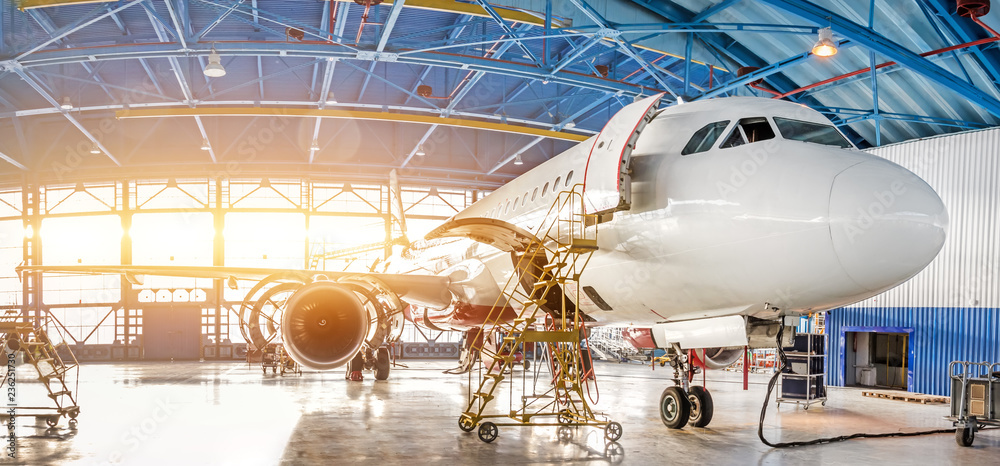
(749, 130)
(569, 178)
(705, 138)
(534, 194)
(545, 189)
(555, 186)
(805, 131)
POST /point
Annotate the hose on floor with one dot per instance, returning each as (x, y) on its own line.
(782, 362)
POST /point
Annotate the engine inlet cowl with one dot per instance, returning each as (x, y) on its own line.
(324, 325)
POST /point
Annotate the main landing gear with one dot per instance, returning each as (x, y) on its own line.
(683, 404)
(376, 360)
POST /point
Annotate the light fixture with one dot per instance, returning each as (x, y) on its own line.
(205, 145)
(517, 159)
(214, 68)
(570, 124)
(420, 151)
(825, 47)
(94, 149)
(67, 104)
(314, 146)
(330, 100)
(638, 98)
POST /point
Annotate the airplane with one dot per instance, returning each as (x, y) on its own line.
(719, 220)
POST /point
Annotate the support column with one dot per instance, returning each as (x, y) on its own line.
(126, 259)
(31, 297)
(218, 259)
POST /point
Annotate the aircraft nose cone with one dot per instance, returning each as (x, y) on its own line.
(886, 223)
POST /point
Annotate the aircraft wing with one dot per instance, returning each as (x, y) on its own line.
(426, 290)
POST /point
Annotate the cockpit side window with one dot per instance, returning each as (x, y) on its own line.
(749, 130)
(806, 131)
(705, 138)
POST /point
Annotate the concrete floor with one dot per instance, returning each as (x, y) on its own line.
(227, 413)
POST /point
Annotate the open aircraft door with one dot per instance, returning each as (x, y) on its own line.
(607, 184)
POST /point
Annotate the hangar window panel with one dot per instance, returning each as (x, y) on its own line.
(11, 240)
(10, 204)
(816, 133)
(79, 198)
(170, 195)
(705, 138)
(182, 238)
(265, 194)
(92, 325)
(262, 239)
(417, 228)
(89, 240)
(433, 202)
(329, 235)
(81, 289)
(347, 198)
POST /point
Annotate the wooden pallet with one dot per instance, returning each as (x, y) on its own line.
(908, 396)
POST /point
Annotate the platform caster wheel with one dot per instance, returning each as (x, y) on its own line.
(466, 424)
(702, 407)
(964, 436)
(674, 408)
(488, 432)
(565, 418)
(613, 431)
(822, 403)
(52, 421)
(806, 407)
(72, 423)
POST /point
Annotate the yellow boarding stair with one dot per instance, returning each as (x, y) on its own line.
(556, 256)
(53, 362)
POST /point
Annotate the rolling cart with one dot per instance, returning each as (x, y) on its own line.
(975, 398)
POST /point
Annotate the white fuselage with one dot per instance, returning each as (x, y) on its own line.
(773, 224)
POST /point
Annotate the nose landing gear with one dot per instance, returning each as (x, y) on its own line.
(683, 404)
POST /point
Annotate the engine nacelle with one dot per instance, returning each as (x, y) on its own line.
(717, 358)
(324, 325)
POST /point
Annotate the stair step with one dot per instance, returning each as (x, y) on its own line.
(553, 265)
(55, 395)
(524, 321)
(485, 396)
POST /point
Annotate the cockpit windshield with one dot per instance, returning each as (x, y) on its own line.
(705, 137)
(806, 131)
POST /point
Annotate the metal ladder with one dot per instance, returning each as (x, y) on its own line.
(52, 367)
(556, 256)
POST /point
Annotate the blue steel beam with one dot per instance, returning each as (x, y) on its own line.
(456, 30)
(81, 23)
(713, 10)
(55, 104)
(49, 27)
(508, 30)
(967, 31)
(390, 23)
(736, 52)
(895, 52)
(211, 25)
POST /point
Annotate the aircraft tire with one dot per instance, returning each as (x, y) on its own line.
(674, 408)
(702, 407)
(382, 363)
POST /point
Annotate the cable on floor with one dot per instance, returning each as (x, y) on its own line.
(770, 388)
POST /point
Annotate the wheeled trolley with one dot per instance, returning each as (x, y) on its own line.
(975, 398)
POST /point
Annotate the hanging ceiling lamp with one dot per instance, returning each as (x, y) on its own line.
(214, 68)
(825, 47)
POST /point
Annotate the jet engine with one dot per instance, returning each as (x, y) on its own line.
(717, 358)
(324, 325)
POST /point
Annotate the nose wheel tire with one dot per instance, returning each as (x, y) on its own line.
(702, 407)
(674, 408)
(466, 424)
(488, 432)
(382, 363)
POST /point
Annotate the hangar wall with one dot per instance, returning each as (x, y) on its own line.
(951, 310)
